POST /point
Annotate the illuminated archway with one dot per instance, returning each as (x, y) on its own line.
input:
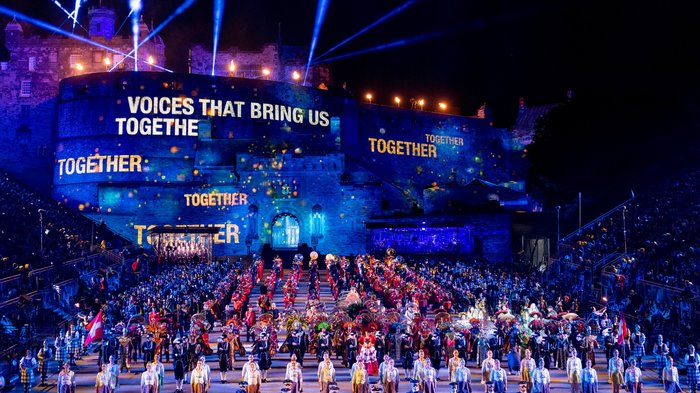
(285, 231)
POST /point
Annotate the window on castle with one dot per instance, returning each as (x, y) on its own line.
(119, 59)
(97, 56)
(3, 66)
(53, 56)
(32, 63)
(25, 89)
(75, 59)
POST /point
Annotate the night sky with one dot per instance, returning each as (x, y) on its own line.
(633, 68)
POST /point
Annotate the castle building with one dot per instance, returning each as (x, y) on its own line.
(30, 70)
(272, 62)
(274, 162)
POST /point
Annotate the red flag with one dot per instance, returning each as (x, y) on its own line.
(95, 329)
(623, 329)
(135, 265)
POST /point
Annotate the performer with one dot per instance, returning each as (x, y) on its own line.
(633, 378)
(197, 379)
(264, 303)
(461, 345)
(249, 320)
(486, 367)
(390, 377)
(44, 356)
(430, 379)
(178, 365)
(223, 351)
(159, 371)
(148, 348)
(149, 381)
(293, 373)
(250, 374)
(448, 342)
(588, 345)
(499, 378)
(407, 355)
(380, 344)
(207, 373)
(324, 343)
(113, 369)
(262, 346)
(639, 340)
(573, 371)
(660, 355)
(589, 379)
(369, 357)
(669, 377)
(540, 379)
(452, 366)
(103, 380)
(692, 362)
(66, 380)
(125, 348)
(351, 348)
(326, 373)
(382, 367)
(259, 265)
(561, 344)
(463, 378)
(27, 364)
(420, 366)
(278, 267)
(616, 369)
(297, 342)
(60, 349)
(435, 350)
(610, 343)
(359, 380)
(71, 347)
(527, 366)
(164, 348)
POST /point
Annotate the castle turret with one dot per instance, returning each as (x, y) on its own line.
(13, 33)
(143, 29)
(101, 22)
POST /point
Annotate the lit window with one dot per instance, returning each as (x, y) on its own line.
(97, 56)
(53, 56)
(3, 66)
(32, 63)
(25, 89)
(75, 60)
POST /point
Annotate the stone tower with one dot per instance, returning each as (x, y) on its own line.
(101, 22)
(13, 34)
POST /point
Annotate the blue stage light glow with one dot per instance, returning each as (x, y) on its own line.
(155, 31)
(75, 13)
(68, 13)
(135, 16)
(123, 23)
(388, 45)
(218, 15)
(320, 16)
(370, 26)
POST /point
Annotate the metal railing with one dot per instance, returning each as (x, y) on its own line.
(596, 220)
